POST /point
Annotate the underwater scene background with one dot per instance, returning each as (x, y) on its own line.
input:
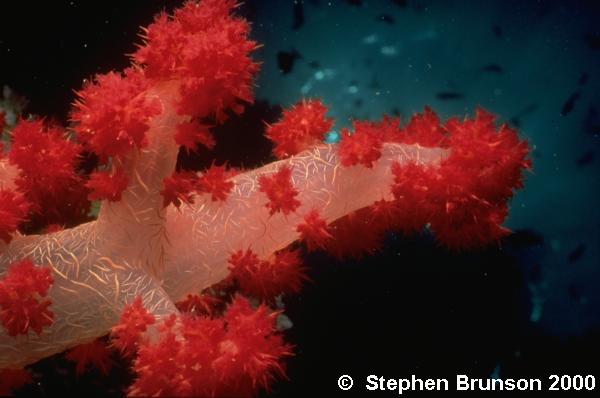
(528, 307)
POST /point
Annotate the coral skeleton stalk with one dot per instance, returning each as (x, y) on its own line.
(163, 257)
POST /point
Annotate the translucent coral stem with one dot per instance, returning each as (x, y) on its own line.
(94, 266)
(136, 222)
(91, 286)
(205, 234)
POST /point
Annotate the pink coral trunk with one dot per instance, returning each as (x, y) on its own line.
(97, 269)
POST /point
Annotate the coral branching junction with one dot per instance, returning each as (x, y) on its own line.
(182, 269)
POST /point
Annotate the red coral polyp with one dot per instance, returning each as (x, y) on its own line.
(314, 231)
(267, 279)
(94, 355)
(47, 163)
(464, 200)
(299, 128)
(23, 302)
(207, 49)
(215, 181)
(423, 129)
(104, 185)
(363, 146)
(13, 379)
(200, 304)
(280, 191)
(113, 112)
(13, 211)
(128, 332)
(190, 134)
(230, 356)
(179, 188)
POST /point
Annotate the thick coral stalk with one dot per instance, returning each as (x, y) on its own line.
(98, 271)
(136, 223)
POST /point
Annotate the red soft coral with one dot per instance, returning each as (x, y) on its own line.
(485, 165)
(96, 354)
(252, 351)
(300, 127)
(207, 50)
(267, 279)
(464, 199)
(314, 230)
(215, 182)
(190, 134)
(13, 379)
(424, 129)
(23, 302)
(113, 112)
(104, 185)
(195, 356)
(13, 211)
(363, 146)
(134, 321)
(179, 187)
(346, 242)
(280, 191)
(200, 304)
(47, 163)
(158, 366)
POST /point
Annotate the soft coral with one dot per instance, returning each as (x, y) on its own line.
(23, 302)
(13, 211)
(229, 356)
(48, 177)
(206, 48)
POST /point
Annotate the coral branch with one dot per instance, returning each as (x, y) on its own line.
(162, 235)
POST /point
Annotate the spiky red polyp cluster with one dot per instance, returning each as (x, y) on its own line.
(200, 304)
(13, 379)
(280, 191)
(463, 200)
(230, 356)
(363, 146)
(112, 113)
(424, 129)
(469, 193)
(190, 134)
(264, 279)
(127, 334)
(314, 231)
(13, 211)
(207, 50)
(23, 302)
(95, 355)
(106, 185)
(299, 128)
(346, 242)
(47, 177)
(179, 188)
(214, 181)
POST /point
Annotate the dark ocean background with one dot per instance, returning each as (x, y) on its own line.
(529, 307)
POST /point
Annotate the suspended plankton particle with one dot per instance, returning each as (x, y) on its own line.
(306, 88)
(371, 39)
(389, 51)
